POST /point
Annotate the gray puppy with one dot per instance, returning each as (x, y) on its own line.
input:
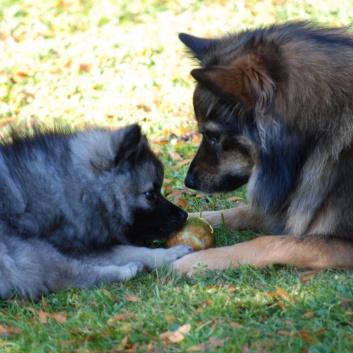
(74, 208)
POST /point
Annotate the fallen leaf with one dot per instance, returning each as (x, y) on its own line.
(345, 301)
(132, 298)
(175, 336)
(309, 314)
(182, 202)
(235, 325)
(175, 193)
(216, 343)
(231, 289)
(42, 317)
(234, 198)
(125, 346)
(185, 161)
(151, 347)
(307, 277)
(175, 156)
(284, 294)
(9, 330)
(119, 317)
(85, 67)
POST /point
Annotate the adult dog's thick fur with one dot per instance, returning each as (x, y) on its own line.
(72, 207)
(275, 108)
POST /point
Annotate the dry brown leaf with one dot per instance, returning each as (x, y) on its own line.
(235, 325)
(85, 67)
(9, 330)
(216, 343)
(307, 277)
(120, 317)
(43, 319)
(235, 198)
(185, 329)
(181, 163)
(59, 317)
(345, 301)
(175, 156)
(125, 346)
(182, 202)
(132, 298)
(231, 289)
(151, 347)
(175, 336)
(284, 294)
(309, 314)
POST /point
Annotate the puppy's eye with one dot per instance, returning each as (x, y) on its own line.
(151, 196)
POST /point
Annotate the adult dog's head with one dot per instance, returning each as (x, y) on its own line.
(241, 105)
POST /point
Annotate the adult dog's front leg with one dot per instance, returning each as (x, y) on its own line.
(240, 217)
(312, 252)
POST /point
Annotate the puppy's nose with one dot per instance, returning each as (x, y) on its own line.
(190, 181)
(183, 215)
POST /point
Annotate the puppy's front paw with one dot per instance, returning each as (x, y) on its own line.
(125, 272)
(162, 257)
(176, 252)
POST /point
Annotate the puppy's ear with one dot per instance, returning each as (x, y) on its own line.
(247, 79)
(197, 46)
(125, 142)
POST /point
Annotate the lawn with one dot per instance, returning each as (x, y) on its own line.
(115, 62)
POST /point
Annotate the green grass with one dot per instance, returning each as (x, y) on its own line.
(114, 62)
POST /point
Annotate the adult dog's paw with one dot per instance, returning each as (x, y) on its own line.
(188, 265)
(201, 261)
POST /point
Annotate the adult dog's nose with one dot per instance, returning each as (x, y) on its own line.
(190, 181)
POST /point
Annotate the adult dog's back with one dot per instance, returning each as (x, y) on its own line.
(275, 107)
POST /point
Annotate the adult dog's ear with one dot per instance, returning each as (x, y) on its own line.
(198, 46)
(247, 78)
(125, 142)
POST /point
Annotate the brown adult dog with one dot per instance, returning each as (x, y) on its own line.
(275, 108)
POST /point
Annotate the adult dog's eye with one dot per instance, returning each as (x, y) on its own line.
(212, 137)
(151, 196)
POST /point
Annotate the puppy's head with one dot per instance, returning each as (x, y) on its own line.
(128, 181)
